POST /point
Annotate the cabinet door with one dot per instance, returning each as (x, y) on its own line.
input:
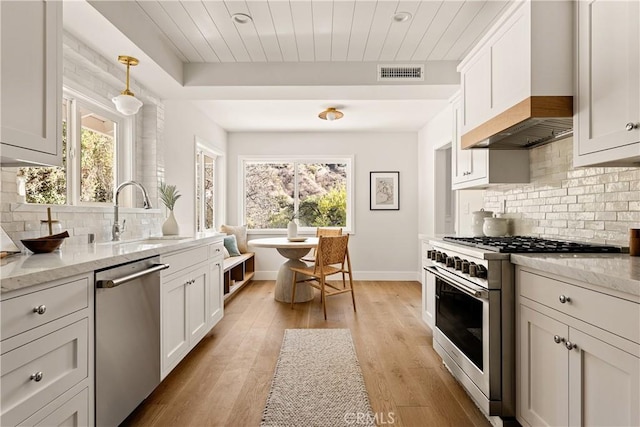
(511, 65)
(542, 370)
(608, 74)
(604, 383)
(31, 80)
(175, 338)
(476, 92)
(215, 309)
(197, 284)
(460, 159)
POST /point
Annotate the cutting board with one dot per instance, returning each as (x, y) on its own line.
(6, 244)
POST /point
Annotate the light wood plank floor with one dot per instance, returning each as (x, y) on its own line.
(225, 380)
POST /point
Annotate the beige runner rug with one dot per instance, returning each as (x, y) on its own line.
(318, 382)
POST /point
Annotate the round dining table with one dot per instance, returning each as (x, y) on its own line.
(293, 251)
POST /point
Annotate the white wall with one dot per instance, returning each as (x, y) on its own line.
(435, 134)
(183, 123)
(384, 246)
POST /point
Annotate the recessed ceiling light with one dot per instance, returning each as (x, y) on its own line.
(241, 18)
(401, 16)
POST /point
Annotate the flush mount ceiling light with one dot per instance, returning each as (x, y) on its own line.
(126, 103)
(241, 18)
(401, 16)
(331, 114)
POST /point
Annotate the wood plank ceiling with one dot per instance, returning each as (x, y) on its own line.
(322, 30)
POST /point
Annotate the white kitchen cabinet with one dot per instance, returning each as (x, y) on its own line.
(31, 84)
(577, 364)
(184, 313)
(191, 300)
(215, 297)
(47, 353)
(607, 120)
(479, 167)
(428, 290)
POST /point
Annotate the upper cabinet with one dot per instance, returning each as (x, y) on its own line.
(519, 73)
(31, 84)
(608, 83)
(479, 167)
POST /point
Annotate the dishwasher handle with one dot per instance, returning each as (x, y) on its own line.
(112, 283)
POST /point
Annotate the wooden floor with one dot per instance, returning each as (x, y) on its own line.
(225, 380)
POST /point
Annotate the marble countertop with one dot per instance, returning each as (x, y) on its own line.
(620, 272)
(22, 270)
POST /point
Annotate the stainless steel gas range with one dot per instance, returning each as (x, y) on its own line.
(475, 311)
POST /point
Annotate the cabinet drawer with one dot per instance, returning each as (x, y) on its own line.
(73, 412)
(18, 313)
(181, 260)
(60, 357)
(585, 304)
(215, 250)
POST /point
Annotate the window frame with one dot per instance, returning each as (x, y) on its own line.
(124, 152)
(202, 146)
(295, 159)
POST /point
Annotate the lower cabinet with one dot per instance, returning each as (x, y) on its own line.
(191, 300)
(184, 314)
(570, 371)
(47, 354)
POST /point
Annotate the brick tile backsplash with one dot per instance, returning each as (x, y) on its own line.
(587, 204)
(86, 71)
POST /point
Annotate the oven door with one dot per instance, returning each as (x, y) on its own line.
(468, 330)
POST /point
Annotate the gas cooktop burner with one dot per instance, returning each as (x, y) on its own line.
(518, 244)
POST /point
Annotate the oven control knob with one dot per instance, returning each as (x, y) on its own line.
(465, 266)
(457, 263)
(450, 261)
(473, 269)
(481, 272)
(429, 254)
(438, 257)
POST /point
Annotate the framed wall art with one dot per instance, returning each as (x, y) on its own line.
(384, 188)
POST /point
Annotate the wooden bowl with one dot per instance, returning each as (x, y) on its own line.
(43, 245)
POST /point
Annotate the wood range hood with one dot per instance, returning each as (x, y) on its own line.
(535, 121)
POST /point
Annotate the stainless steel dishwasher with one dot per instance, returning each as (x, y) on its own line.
(127, 337)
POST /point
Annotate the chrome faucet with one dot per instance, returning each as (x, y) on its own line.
(117, 229)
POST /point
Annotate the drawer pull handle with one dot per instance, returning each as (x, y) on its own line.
(563, 299)
(218, 250)
(37, 377)
(558, 339)
(41, 309)
(570, 345)
(631, 126)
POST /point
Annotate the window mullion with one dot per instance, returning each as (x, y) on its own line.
(73, 175)
(296, 191)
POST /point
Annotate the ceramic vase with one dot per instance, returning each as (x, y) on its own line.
(292, 229)
(170, 226)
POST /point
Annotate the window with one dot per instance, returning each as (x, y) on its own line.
(93, 145)
(317, 191)
(205, 188)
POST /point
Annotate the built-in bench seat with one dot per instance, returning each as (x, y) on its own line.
(238, 271)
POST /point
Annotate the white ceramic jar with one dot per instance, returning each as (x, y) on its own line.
(495, 227)
(477, 221)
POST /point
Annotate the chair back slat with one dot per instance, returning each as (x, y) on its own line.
(331, 250)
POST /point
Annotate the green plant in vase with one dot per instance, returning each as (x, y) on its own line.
(169, 195)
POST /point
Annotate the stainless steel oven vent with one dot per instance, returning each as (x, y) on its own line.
(400, 73)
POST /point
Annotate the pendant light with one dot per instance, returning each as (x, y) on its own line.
(126, 102)
(331, 114)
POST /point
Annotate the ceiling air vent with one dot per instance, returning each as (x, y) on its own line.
(400, 73)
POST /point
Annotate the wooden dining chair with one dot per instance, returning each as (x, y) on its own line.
(332, 257)
(322, 231)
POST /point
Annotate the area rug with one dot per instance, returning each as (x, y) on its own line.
(318, 382)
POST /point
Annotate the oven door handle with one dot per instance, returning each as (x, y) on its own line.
(476, 293)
